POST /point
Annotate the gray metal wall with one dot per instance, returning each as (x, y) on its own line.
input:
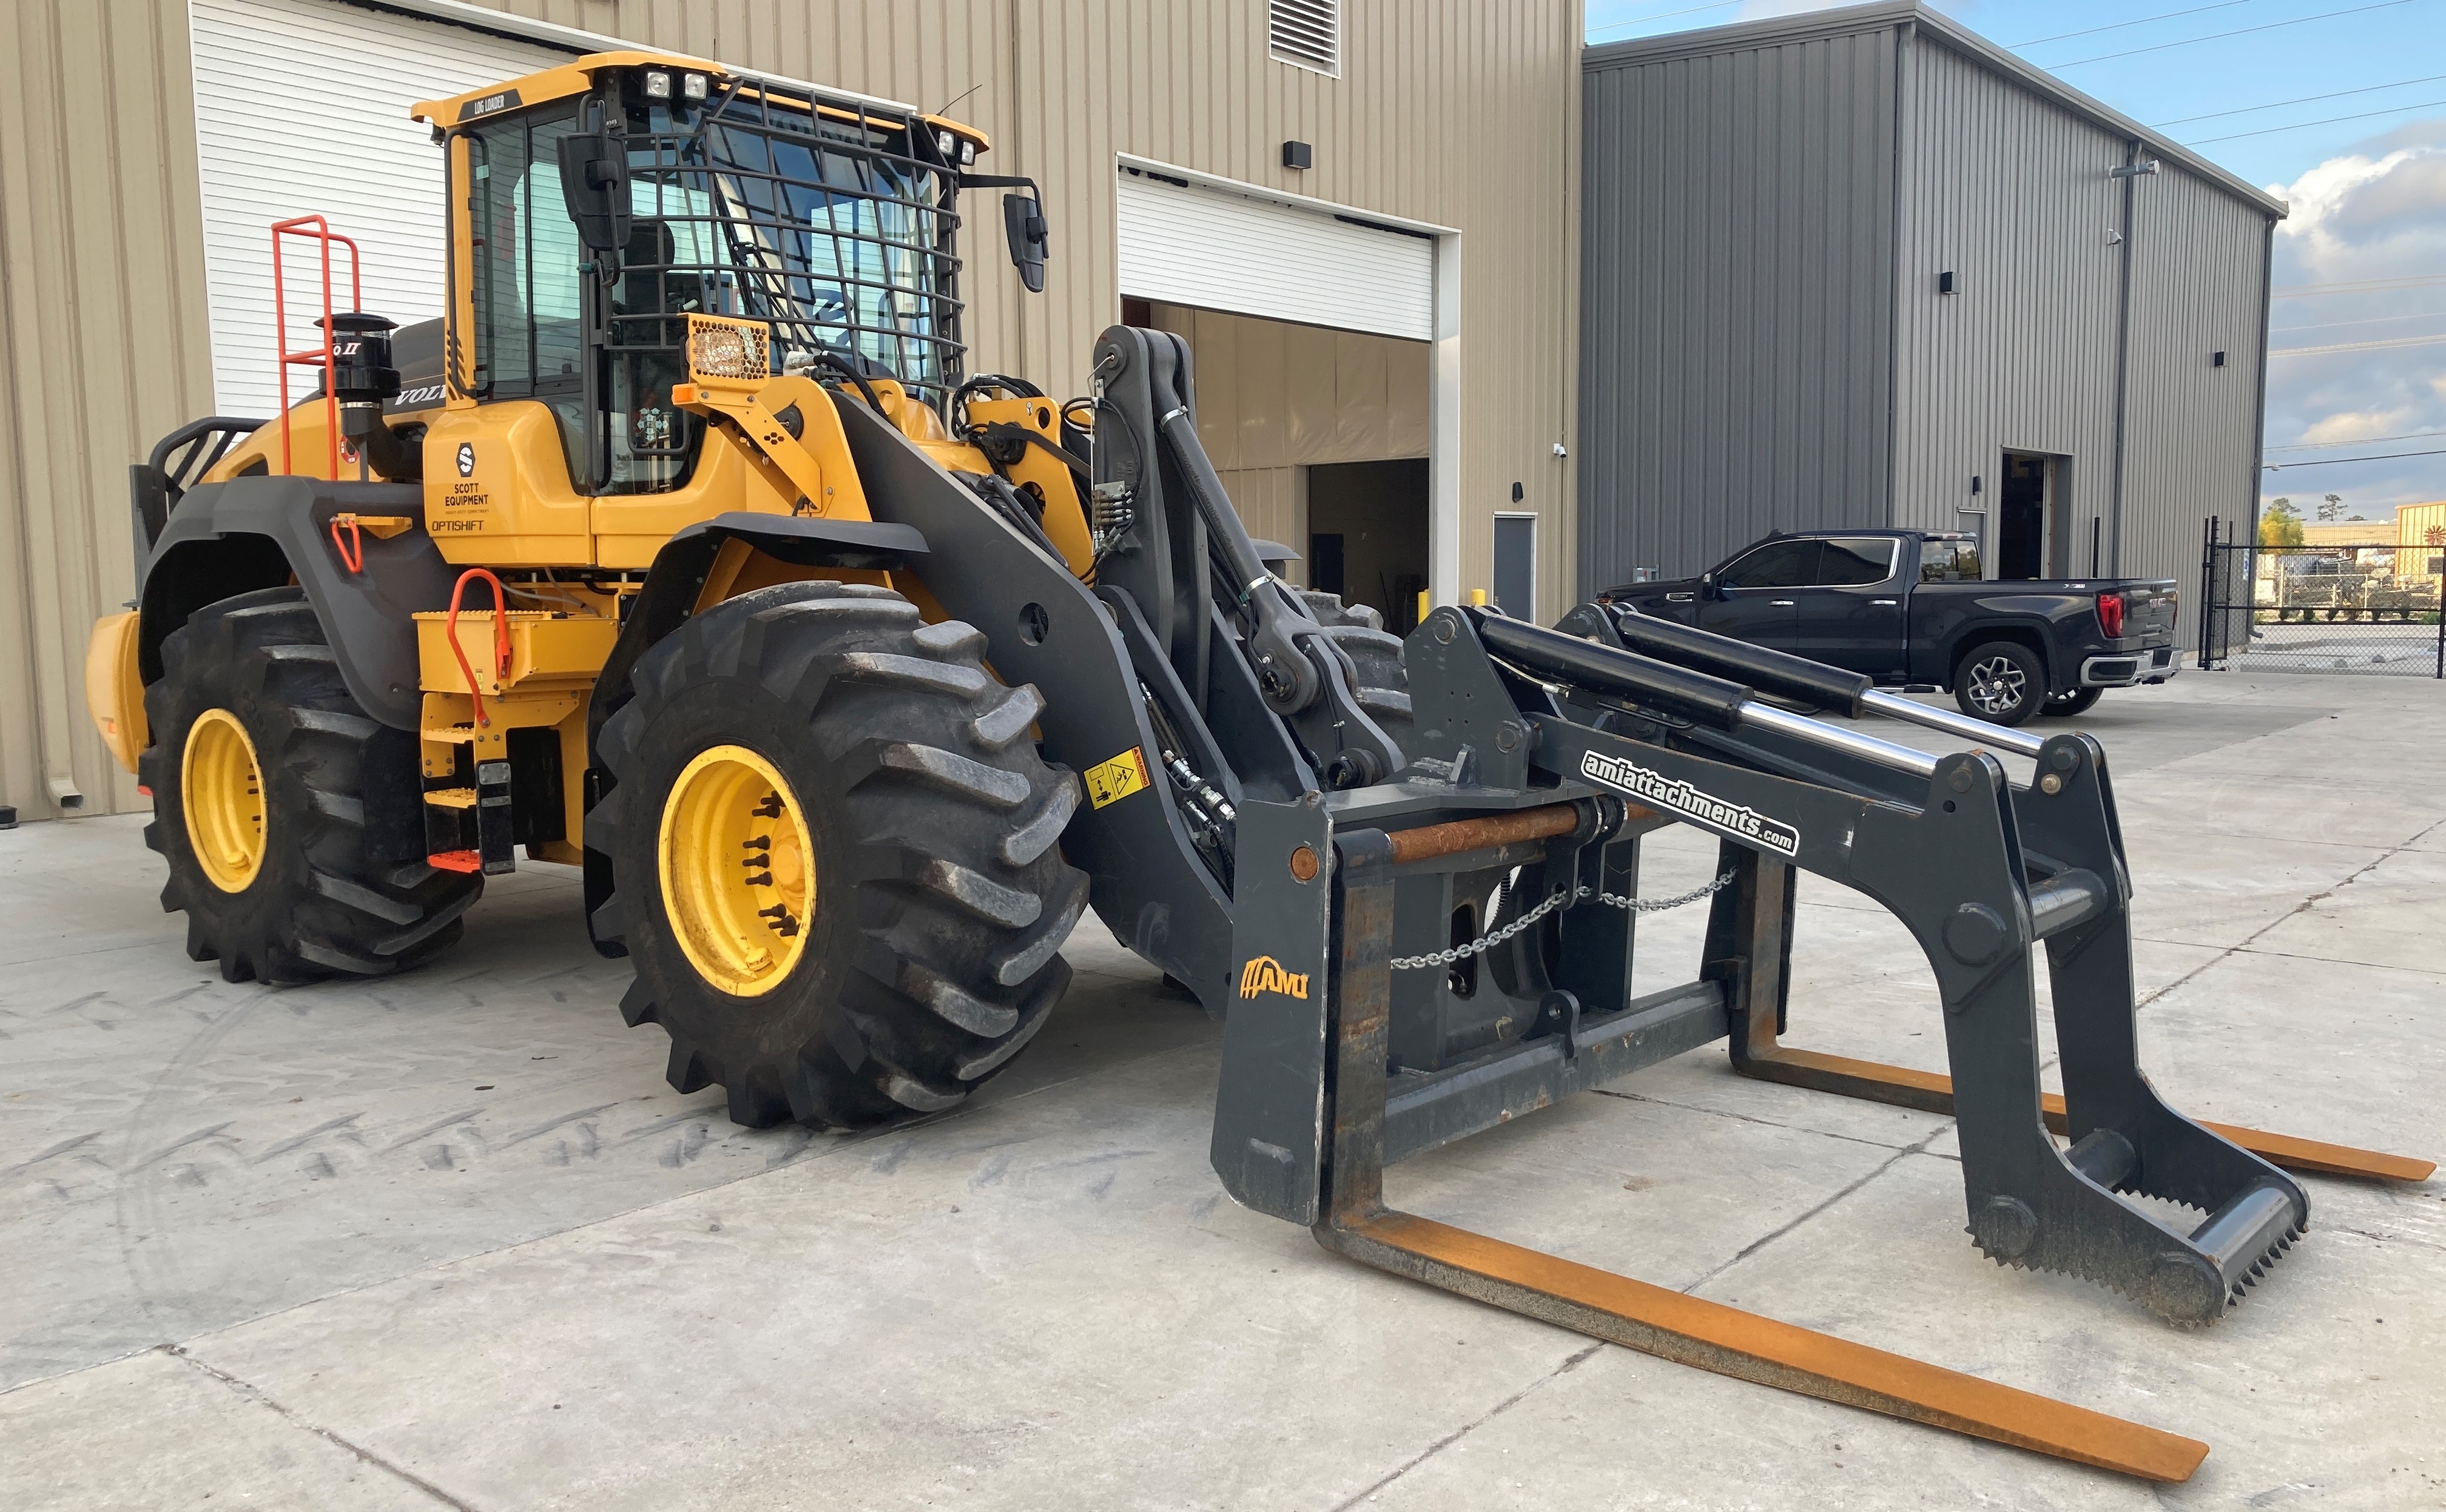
(1736, 247)
(1459, 113)
(2199, 287)
(1767, 210)
(2008, 192)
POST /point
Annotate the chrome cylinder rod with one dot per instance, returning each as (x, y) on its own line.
(1835, 737)
(1894, 706)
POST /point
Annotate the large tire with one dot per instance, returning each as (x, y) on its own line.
(936, 898)
(1383, 686)
(2001, 682)
(318, 901)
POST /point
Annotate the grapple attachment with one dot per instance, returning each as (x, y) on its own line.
(1428, 958)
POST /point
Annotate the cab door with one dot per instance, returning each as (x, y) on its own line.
(1755, 595)
(1851, 612)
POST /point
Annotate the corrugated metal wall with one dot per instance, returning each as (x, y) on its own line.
(2192, 444)
(103, 348)
(2008, 193)
(1737, 242)
(1460, 113)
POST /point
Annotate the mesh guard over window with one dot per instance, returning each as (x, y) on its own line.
(829, 226)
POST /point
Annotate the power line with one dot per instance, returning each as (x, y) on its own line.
(2063, 36)
(2331, 461)
(2238, 31)
(2366, 441)
(2357, 347)
(2331, 121)
(2278, 104)
(1640, 21)
(2375, 320)
(2364, 285)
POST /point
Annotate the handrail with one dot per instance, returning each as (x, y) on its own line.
(316, 229)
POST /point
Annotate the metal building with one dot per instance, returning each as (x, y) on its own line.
(146, 145)
(1862, 268)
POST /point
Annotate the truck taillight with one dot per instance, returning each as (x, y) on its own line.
(2110, 615)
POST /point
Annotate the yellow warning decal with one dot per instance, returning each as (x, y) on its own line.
(1266, 974)
(1112, 782)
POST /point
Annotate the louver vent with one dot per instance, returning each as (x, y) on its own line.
(1307, 33)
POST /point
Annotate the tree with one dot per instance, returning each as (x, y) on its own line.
(2279, 524)
(2331, 509)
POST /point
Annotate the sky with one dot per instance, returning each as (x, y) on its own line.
(2368, 195)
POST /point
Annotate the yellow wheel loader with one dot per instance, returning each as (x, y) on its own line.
(684, 549)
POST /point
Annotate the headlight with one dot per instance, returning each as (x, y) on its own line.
(968, 154)
(946, 144)
(692, 86)
(725, 351)
(658, 85)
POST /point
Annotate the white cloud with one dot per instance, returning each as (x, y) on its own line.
(2374, 213)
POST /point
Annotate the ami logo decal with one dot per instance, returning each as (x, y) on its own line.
(1266, 974)
(1677, 796)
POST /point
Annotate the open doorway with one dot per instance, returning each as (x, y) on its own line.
(2033, 526)
(1368, 535)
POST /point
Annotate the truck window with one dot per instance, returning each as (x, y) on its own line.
(1776, 564)
(1948, 562)
(1856, 561)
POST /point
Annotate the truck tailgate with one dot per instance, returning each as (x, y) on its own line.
(2149, 612)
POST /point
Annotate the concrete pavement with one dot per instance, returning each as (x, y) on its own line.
(447, 1241)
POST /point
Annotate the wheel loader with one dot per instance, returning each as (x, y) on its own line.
(684, 549)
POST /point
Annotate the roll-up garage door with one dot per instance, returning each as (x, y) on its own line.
(301, 108)
(1195, 244)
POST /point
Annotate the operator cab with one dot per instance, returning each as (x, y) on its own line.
(596, 206)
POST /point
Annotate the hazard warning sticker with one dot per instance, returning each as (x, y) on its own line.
(1111, 782)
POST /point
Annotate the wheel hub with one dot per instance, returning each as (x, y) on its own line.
(1996, 684)
(738, 870)
(221, 789)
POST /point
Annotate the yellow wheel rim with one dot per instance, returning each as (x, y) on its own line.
(220, 787)
(738, 870)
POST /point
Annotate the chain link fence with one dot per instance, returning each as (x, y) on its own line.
(2321, 608)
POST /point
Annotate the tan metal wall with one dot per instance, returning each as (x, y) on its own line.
(1462, 113)
(102, 347)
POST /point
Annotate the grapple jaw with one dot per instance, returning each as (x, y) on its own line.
(1357, 1040)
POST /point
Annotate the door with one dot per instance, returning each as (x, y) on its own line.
(1757, 595)
(2030, 525)
(1515, 565)
(1851, 614)
(1221, 249)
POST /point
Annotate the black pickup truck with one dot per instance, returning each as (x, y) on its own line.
(1910, 609)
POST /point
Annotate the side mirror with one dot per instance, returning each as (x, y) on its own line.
(594, 186)
(1023, 223)
(1708, 589)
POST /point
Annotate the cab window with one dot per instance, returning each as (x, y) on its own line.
(1778, 564)
(529, 312)
(1856, 561)
(1948, 562)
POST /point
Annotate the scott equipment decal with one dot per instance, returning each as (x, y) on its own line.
(1266, 974)
(1677, 796)
(466, 458)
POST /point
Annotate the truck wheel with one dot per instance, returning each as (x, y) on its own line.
(834, 857)
(2064, 706)
(1383, 686)
(2001, 682)
(262, 772)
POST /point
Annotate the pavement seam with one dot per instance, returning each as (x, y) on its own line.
(261, 1398)
(2242, 944)
(1747, 1118)
(1764, 1240)
(1441, 1444)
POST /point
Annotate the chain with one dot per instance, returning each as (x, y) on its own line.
(1562, 899)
